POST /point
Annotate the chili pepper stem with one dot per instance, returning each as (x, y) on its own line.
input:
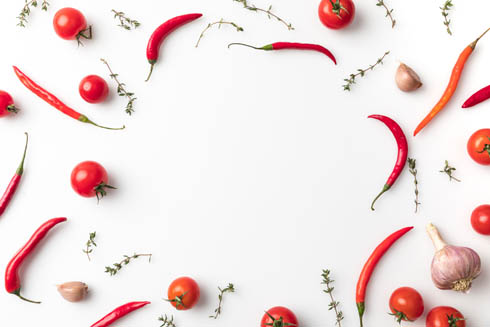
(385, 188)
(84, 119)
(17, 292)
(360, 308)
(247, 45)
(473, 44)
(20, 170)
(151, 71)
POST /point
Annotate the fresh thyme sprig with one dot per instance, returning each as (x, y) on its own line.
(167, 322)
(413, 170)
(361, 72)
(26, 10)
(124, 21)
(445, 13)
(127, 259)
(389, 12)
(449, 171)
(121, 90)
(90, 243)
(219, 23)
(333, 305)
(268, 12)
(230, 289)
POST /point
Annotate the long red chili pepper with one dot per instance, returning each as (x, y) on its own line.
(480, 96)
(161, 33)
(14, 182)
(369, 266)
(291, 45)
(54, 101)
(401, 159)
(12, 280)
(119, 313)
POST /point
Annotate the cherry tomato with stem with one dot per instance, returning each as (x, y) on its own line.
(406, 304)
(7, 104)
(336, 14)
(445, 317)
(93, 89)
(70, 24)
(479, 146)
(183, 293)
(480, 219)
(279, 317)
(89, 179)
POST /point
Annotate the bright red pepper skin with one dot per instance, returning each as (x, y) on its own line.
(12, 280)
(162, 31)
(369, 266)
(118, 313)
(480, 96)
(401, 159)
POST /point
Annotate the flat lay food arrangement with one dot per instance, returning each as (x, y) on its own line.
(229, 169)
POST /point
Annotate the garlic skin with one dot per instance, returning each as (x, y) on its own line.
(453, 267)
(73, 291)
(407, 79)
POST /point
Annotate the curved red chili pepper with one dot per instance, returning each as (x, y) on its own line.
(14, 182)
(291, 45)
(12, 280)
(369, 266)
(159, 35)
(480, 96)
(401, 160)
(119, 313)
(54, 101)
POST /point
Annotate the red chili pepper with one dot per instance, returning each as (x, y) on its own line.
(14, 182)
(289, 45)
(161, 33)
(480, 96)
(54, 101)
(119, 313)
(12, 280)
(401, 160)
(369, 266)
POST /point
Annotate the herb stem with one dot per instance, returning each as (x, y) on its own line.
(219, 23)
(334, 305)
(268, 12)
(361, 72)
(26, 10)
(90, 243)
(449, 171)
(445, 13)
(127, 259)
(121, 89)
(389, 12)
(124, 21)
(167, 322)
(231, 289)
(413, 170)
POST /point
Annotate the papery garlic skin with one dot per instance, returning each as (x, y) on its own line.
(73, 291)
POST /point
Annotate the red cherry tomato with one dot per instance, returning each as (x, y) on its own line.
(479, 146)
(280, 317)
(336, 14)
(184, 293)
(70, 24)
(93, 89)
(480, 219)
(406, 304)
(6, 104)
(443, 316)
(89, 179)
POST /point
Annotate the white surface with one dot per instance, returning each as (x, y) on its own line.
(241, 166)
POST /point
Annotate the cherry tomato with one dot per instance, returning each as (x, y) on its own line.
(406, 304)
(279, 317)
(93, 89)
(479, 146)
(445, 317)
(336, 14)
(89, 179)
(480, 219)
(183, 293)
(70, 24)
(6, 104)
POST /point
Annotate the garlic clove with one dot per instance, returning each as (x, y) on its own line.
(407, 79)
(73, 291)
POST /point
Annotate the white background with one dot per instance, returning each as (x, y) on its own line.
(241, 166)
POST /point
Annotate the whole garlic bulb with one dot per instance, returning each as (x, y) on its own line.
(73, 291)
(453, 267)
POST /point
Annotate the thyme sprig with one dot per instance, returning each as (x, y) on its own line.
(26, 10)
(230, 289)
(361, 72)
(167, 322)
(449, 171)
(268, 12)
(413, 170)
(124, 21)
(116, 267)
(90, 244)
(389, 12)
(219, 23)
(445, 13)
(121, 90)
(333, 305)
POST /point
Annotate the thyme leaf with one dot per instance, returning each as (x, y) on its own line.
(445, 13)
(449, 171)
(389, 12)
(413, 170)
(124, 21)
(230, 289)
(116, 267)
(219, 23)
(333, 305)
(268, 12)
(167, 322)
(89, 244)
(26, 10)
(121, 90)
(361, 72)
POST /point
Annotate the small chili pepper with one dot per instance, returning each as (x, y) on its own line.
(452, 86)
(14, 182)
(161, 33)
(401, 159)
(12, 280)
(480, 96)
(54, 101)
(118, 313)
(290, 45)
(369, 266)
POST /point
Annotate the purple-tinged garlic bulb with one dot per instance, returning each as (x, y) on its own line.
(453, 267)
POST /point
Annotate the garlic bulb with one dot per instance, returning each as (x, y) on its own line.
(73, 291)
(453, 267)
(407, 79)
